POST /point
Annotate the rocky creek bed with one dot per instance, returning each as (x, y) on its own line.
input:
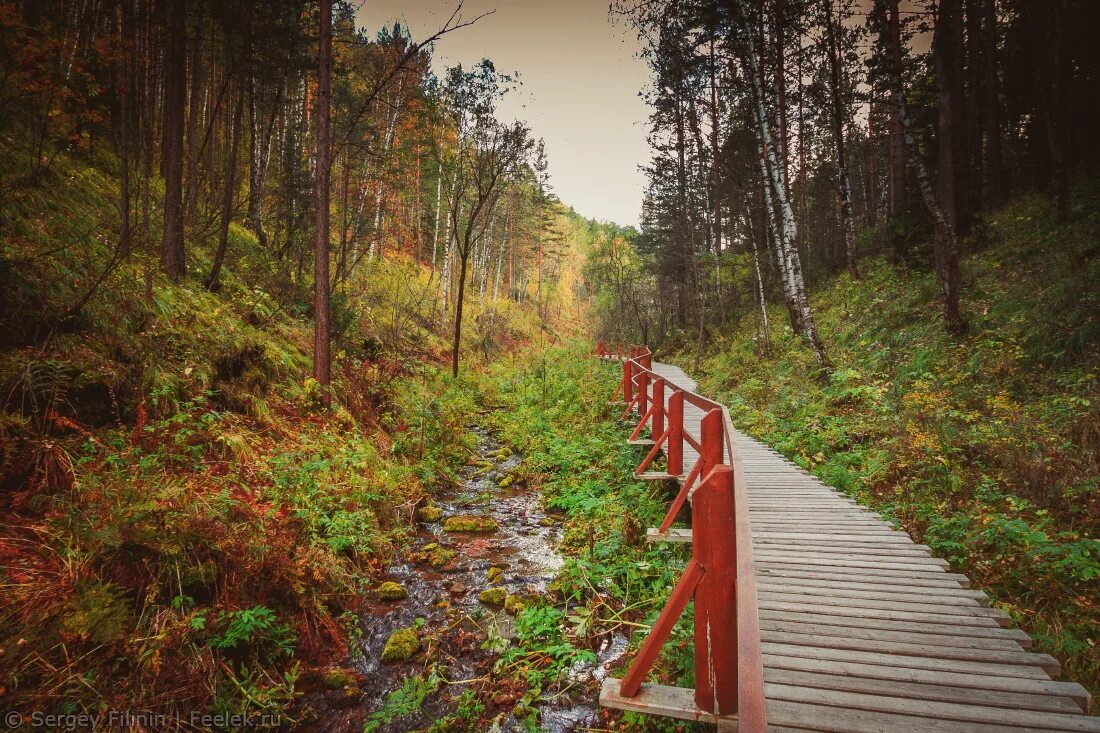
(481, 552)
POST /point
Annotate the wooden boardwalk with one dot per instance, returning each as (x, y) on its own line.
(862, 629)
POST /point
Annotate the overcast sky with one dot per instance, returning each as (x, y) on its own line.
(580, 77)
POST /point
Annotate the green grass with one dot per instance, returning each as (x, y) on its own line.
(552, 406)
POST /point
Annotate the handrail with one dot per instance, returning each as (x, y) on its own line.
(748, 696)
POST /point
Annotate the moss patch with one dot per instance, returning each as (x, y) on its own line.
(470, 523)
(494, 574)
(340, 679)
(401, 645)
(513, 605)
(436, 556)
(391, 591)
(493, 596)
(429, 514)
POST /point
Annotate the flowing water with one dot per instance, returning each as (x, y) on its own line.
(443, 600)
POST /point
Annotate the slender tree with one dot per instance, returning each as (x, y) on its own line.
(321, 305)
(173, 254)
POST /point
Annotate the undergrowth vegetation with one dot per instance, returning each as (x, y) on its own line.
(985, 447)
(182, 525)
(553, 406)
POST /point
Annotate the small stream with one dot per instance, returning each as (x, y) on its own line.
(443, 574)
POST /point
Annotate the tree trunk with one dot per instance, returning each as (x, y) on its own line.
(896, 182)
(872, 166)
(760, 292)
(227, 197)
(122, 124)
(945, 230)
(194, 113)
(458, 312)
(992, 190)
(945, 47)
(843, 183)
(788, 229)
(173, 254)
(321, 305)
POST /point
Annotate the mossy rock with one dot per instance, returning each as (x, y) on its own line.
(513, 605)
(441, 557)
(494, 574)
(429, 514)
(470, 523)
(401, 645)
(505, 482)
(339, 679)
(547, 522)
(503, 453)
(391, 591)
(493, 596)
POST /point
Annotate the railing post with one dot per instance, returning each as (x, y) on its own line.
(628, 381)
(657, 427)
(705, 543)
(643, 393)
(674, 448)
(714, 546)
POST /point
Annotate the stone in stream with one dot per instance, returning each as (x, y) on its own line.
(436, 556)
(343, 680)
(401, 645)
(429, 514)
(391, 591)
(493, 596)
(470, 523)
(494, 574)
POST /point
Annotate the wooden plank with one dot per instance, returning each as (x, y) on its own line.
(898, 575)
(848, 563)
(931, 664)
(835, 590)
(674, 534)
(778, 536)
(887, 635)
(895, 550)
(925, 691)
(847, 558)
(822, 616)
(891, 604)
(807, 716)
(919, 580)
(947, 591)
(655, 476)
(995, 656)
(933, 710)
(884, 613)
(653, 699)
(889, 671)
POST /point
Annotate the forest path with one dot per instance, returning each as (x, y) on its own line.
(861, 629)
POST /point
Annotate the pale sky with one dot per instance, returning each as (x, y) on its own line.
(580, 87)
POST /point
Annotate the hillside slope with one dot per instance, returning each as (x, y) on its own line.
(984, 447)
(182, 526)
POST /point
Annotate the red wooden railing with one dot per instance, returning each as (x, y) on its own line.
(729, 670)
